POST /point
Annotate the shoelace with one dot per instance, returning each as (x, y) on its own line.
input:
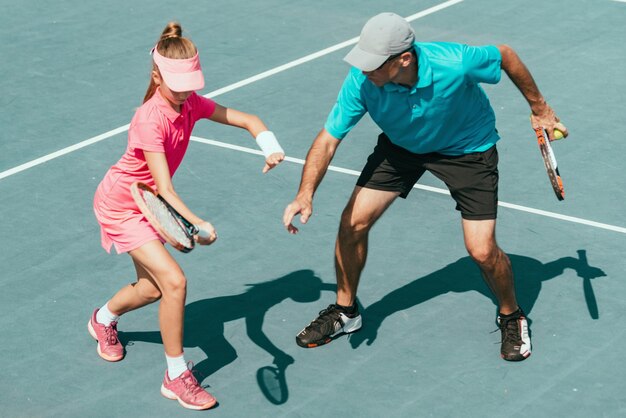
(190, 381)
(511, 331)
(322, 323)
(111, 333)
(191, 384)
(329, 312)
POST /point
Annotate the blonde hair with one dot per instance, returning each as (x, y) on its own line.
(173, 45)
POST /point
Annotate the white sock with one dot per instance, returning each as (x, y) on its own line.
(176, 366)
(105, 316)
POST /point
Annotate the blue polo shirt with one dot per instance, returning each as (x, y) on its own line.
(446, 111)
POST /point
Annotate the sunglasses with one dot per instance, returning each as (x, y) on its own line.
(393, 57)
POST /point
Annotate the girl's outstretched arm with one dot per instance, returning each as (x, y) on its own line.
(266, 140)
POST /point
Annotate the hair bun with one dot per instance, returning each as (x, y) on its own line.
(172, 30)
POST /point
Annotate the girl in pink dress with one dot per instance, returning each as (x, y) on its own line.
(157, 140)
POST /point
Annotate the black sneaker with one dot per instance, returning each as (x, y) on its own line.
(331, 322)
(515, 336)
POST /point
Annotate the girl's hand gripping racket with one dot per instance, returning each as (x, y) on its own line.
(173, 228)
(550, 163)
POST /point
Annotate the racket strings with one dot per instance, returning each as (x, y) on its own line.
(166, 219)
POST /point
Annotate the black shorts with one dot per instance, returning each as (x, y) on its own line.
(471, 178)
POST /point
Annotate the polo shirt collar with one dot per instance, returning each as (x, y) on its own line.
(424, 70)
(424, 74)
(164, 106)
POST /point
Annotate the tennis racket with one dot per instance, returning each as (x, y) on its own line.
(550, 162)
(173, 228)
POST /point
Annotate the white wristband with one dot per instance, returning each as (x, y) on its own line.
(268, 143)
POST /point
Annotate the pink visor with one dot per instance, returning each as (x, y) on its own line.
(180, 74)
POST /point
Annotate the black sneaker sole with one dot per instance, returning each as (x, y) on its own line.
(313, 344)
(322, 342)
(519, 357)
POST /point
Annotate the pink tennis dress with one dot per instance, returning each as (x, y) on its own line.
(156, 127)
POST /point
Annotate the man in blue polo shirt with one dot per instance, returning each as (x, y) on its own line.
(434, 117)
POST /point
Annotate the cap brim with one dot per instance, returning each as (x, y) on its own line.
(364, 61)
(179, 82)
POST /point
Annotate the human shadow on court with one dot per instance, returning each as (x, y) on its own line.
(464, 276)
(205, 319)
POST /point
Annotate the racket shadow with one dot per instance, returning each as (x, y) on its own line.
(586, 272)
(464, 276)
(273, 384)
(205, 320)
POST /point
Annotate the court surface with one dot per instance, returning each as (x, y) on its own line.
(74, 72)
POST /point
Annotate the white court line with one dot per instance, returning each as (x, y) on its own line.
(218, 92)
(428, 188)
(63, 151)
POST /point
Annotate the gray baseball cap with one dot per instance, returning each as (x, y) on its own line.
(382, 36)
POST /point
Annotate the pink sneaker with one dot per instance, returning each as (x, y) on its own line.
(109, 346)
(187, 391)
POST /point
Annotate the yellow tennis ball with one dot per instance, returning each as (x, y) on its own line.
(558, 134)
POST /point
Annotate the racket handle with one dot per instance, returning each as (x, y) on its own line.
(550, 152)
(203, 232)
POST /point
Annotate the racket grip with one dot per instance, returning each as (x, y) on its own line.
(204, 233)
(551, 154)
